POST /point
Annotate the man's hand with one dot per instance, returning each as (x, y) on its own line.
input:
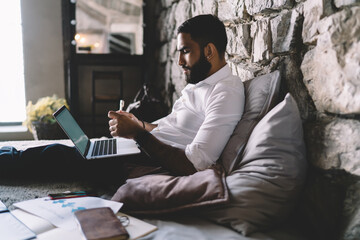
(124, 124)
(132, 116)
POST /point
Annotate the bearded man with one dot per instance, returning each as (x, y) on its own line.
(192, 137)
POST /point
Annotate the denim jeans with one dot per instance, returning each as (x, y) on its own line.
(57, 161)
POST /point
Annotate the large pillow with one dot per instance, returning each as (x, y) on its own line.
(267, 179)
(261, 94)
(156, 194)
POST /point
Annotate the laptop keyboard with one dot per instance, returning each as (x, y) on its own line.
(104, 147)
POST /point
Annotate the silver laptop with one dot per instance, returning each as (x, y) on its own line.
(93, 149)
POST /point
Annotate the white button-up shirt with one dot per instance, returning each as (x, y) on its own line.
(204, 117)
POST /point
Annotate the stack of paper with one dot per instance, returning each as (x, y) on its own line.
(61, 212)
(54, 220)
(11, 228)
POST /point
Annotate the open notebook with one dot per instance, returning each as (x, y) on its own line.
(44, 230)
(92, 149)
(11, 227)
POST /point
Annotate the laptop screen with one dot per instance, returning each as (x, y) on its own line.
(72, 129)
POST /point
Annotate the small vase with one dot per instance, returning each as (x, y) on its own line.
(47, 131)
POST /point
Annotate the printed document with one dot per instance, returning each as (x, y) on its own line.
(61, 212)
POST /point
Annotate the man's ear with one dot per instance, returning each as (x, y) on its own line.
(210, 51)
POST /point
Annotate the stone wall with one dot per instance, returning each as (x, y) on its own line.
(316, 45)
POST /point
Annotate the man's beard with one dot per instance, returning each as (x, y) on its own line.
(199, 71)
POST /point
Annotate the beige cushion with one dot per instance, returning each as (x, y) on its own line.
(155, 194)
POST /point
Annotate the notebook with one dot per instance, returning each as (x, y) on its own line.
(11, 227)
(93, 149)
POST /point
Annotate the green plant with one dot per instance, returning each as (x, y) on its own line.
(42, 111)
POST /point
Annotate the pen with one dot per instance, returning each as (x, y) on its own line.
(121, 105)
(65, 195)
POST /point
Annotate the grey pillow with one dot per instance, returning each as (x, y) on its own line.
(267, 180)
(261, 94)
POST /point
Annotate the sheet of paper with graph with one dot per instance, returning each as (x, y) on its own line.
(61, 212)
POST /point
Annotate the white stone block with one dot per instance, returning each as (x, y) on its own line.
(332, 69)
(225, 10)
(258, 6)
(282, 30)
(203, 7)
(166, 3)
(314, 11)
(181, 13)
(232, 9)
(245, 71)
(166, 23)
(173, 54)
(239, 40)
(341, 3)
(334, 144)
(261, 41)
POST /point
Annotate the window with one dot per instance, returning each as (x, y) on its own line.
(12, 89)
(104, 26)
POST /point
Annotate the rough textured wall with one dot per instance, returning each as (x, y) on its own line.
(316, 45)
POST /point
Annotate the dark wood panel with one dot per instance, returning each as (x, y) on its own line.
(109, 59)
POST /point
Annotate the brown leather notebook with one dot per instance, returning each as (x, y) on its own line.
(101, 224)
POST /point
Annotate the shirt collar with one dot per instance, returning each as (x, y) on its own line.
(217, 76)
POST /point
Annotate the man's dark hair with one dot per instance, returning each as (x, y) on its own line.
(205, 29)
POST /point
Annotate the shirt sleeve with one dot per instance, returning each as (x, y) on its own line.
(223, 111)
